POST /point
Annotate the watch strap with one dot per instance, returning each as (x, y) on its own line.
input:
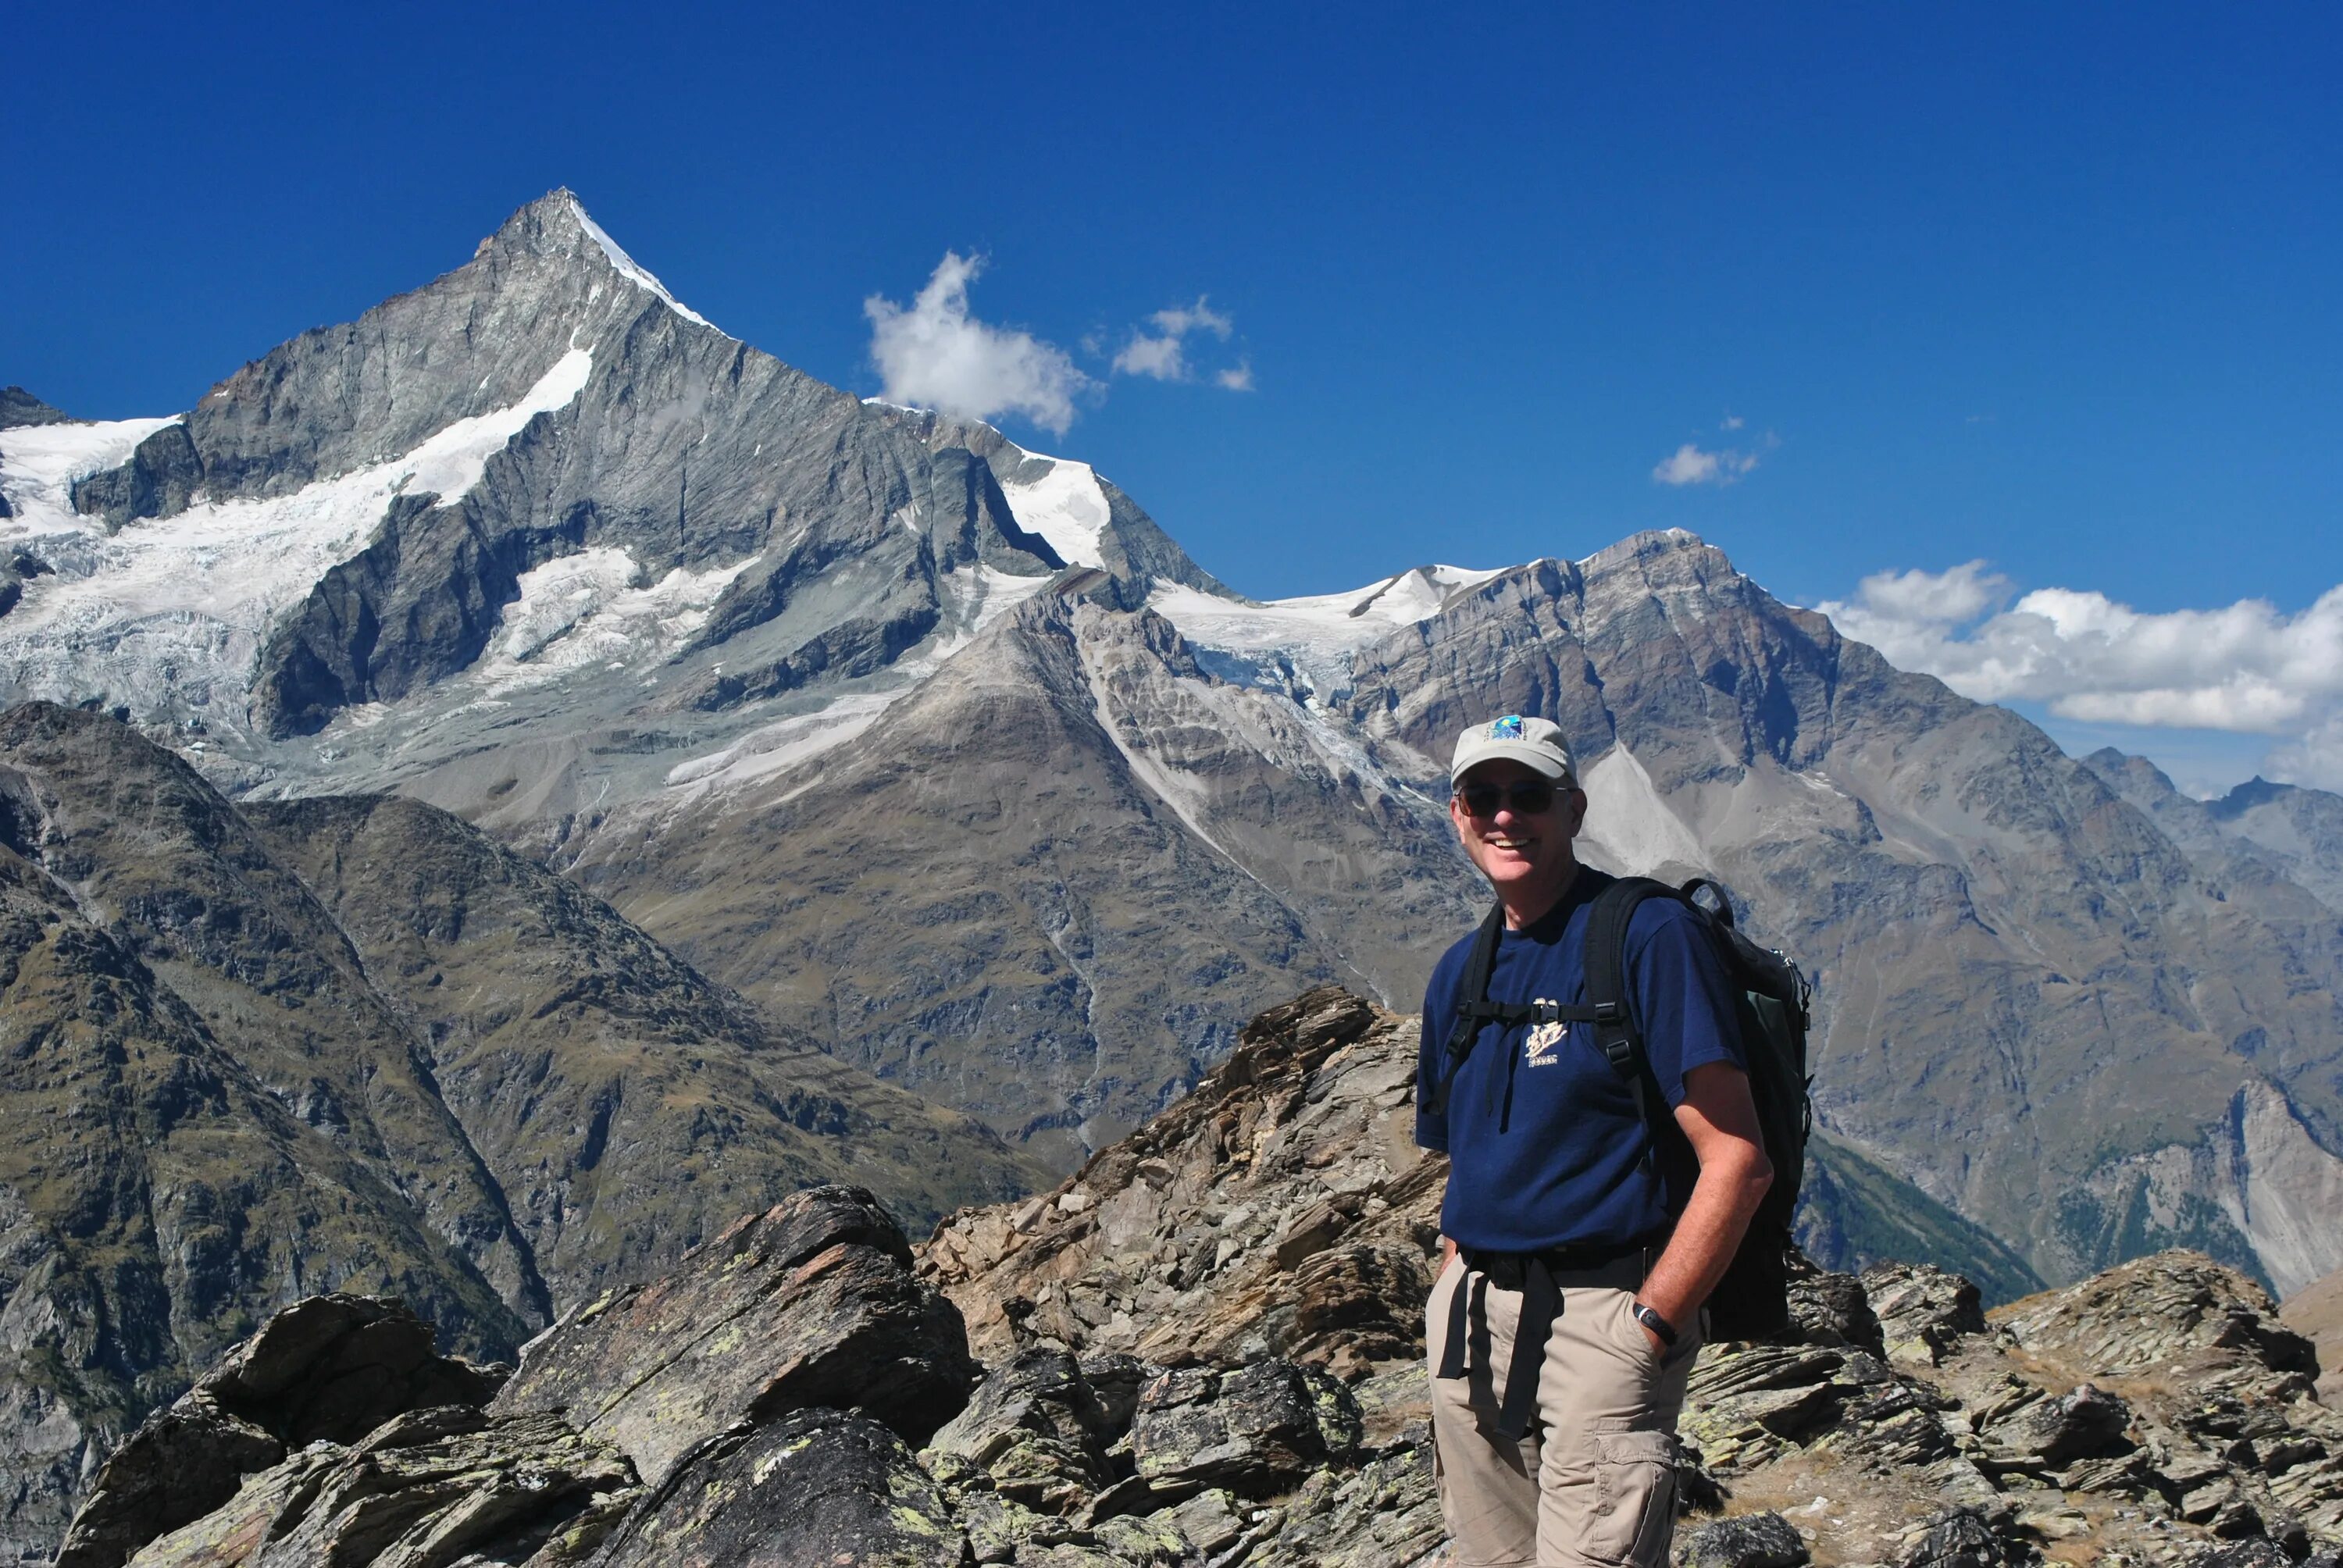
(1659, 1325)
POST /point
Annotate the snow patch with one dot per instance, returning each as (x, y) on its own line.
(629, 269)
(173, 612)
(586, 608)
(1311, 642)
(1065, 507)
(39, 463)
(1628, 822)
(782, 745)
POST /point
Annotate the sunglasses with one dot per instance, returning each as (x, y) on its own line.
(1527, 800)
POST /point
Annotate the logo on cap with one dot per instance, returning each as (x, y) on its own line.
(1509, 727)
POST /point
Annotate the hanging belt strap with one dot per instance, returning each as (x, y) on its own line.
(1534, 1275)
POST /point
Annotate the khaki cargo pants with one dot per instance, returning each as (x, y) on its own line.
(1593, 1480)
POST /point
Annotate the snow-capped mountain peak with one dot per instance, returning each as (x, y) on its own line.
(629, 268)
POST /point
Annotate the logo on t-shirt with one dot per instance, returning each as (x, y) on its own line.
(1543, 1039)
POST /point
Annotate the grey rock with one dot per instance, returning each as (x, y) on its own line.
(1921, 1311)
(329, 1369)
(19, 407)
(2258, 1552)
(1959, 1538)
(160, 479)
(1040, 1393)
(1747, 1541)
(2053, 1432)
(812, 1303)
(815, 1488)
(432, 1487)
(1253, 1431)
(1831, 1309)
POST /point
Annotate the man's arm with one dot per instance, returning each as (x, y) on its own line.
(1721, 1120)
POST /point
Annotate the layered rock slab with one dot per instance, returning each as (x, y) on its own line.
(326, 1371)
(811, 1304)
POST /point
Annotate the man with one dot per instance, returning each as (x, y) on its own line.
(1574, 1241)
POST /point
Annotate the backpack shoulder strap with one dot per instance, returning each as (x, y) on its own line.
(1616, 1034)
(1473, 1007)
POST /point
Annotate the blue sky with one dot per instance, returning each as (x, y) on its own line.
(2051, 288)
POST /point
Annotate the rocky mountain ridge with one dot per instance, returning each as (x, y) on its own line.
(800, 1389)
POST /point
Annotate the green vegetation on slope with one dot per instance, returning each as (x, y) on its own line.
(1853, 1213)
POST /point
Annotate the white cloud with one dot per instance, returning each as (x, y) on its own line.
(1160, 358)
(1163, 353)
(1732, 422)
(936, 354)
(2247, 667)
(1689, 464)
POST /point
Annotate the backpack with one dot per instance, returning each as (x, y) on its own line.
(1771, 1008)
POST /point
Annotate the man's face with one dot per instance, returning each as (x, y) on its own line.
(1525, 855)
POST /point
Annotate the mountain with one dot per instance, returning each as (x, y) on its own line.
(2259, 830)
(940, 752)
(251, 1054)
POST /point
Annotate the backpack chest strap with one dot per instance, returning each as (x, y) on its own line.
(1513, 1015)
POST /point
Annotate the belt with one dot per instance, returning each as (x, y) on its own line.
(1540, 1277)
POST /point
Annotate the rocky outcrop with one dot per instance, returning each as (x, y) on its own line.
(19, 407)
(1268, 1216)
(795, 1393)
(811, 1304)
(329, 1371)
(1282, 1209)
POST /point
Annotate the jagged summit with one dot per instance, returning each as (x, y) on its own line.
(19, 407)
(627, 265)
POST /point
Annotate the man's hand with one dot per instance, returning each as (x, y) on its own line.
(1721, 1121)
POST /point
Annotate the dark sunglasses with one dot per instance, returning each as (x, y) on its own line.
(1527, 800)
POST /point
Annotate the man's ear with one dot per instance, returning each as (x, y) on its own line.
(1576, 811)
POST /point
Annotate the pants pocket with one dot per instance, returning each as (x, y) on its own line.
(1636, 1482)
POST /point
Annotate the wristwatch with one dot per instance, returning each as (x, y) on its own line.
(1658, 1324)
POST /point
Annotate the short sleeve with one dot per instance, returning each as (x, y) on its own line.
(1683, 1000)
(1432, 1050)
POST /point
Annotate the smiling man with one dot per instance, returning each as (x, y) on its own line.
(1580, 1237)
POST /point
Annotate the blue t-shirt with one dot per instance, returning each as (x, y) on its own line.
(1544, 1146)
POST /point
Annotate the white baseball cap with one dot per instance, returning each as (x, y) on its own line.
(1534, 743)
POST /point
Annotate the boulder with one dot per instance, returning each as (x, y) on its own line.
(1256, 1431)
(1921, 1311)
(809, 1304)
(815, 1488)
(2050, 1433)
(1833, 1308)
(328, 1369)
(1751, 1540)
(1957, 1538)
(1040, 1392)
(428, 1488)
